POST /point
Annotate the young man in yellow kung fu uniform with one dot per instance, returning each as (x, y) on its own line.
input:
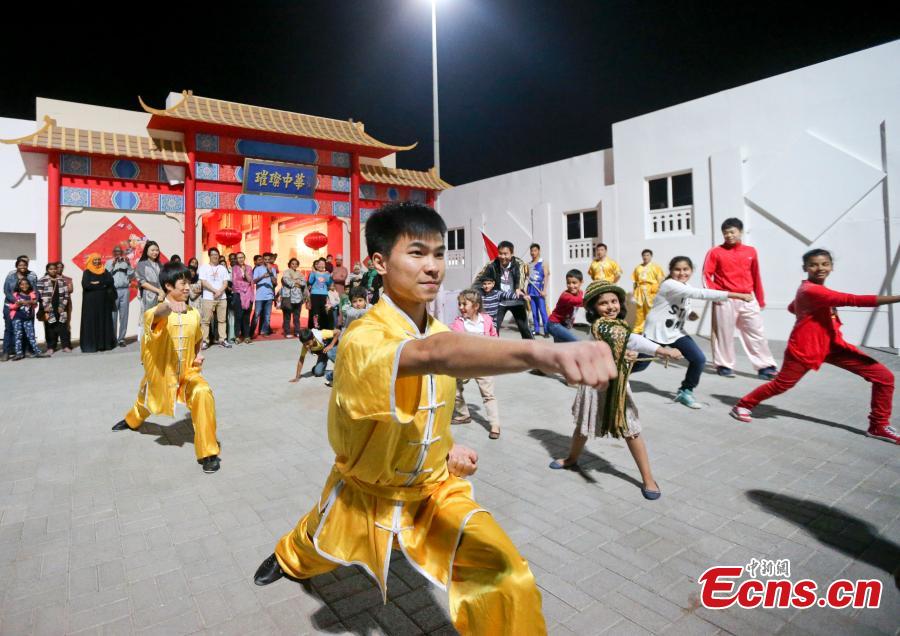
(170, 353)
(398, 478)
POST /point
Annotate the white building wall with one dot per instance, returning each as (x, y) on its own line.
(23, 196)
(525, 207)
(798, 158)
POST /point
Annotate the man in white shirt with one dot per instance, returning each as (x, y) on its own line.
(213, 280)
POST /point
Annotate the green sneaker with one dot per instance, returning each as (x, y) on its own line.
(686, 397)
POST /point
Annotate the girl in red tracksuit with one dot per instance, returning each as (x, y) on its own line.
(816, 339)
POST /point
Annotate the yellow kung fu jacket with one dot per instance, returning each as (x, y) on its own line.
(167, 353)
(391, 437)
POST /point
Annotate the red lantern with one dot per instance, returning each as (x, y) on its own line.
(228, 236)
(315, 240)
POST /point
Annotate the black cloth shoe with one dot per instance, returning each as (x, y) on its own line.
(121, 425)
(210, 464)
(269, 571)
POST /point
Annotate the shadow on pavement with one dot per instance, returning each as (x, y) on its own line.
(768, 411)
(557, 446)
(409, 595)
(835, 528)
(177, 434)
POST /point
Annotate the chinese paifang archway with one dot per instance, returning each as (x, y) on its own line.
(191, 165)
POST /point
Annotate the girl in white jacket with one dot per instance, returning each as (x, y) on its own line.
(665, 322)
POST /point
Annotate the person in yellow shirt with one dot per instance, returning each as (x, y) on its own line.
(322, 343)
(647, 278)
(603, 267)
(398, 480)
(170, 353)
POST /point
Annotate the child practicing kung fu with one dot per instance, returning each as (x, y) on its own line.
(612, 411)
(816, 339)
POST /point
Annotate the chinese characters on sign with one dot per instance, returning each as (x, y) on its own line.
(280, 179)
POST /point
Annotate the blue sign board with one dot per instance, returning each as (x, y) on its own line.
(279, 179)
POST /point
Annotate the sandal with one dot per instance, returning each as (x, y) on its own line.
(461, 420)
(494, 435)
(559, 465)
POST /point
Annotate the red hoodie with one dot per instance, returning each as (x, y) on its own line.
(818, 328)
(734, 269)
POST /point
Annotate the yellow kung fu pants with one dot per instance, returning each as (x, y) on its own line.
(492, 590)
(199, 400)
(640, 316)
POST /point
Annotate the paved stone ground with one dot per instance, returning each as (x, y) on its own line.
(104, 533)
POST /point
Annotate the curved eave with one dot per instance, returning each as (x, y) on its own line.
(362, 141)
(49, 122)
(415, 179)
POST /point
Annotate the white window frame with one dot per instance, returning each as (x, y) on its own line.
(582, 249)
(671, 220)
(456, 258)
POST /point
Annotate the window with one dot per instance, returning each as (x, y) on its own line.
(582, 232)
(456, 247)
(674, 191)
(456, 239)
(671, 201)
(581, 225)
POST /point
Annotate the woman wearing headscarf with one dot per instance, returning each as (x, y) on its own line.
(99, 291)
(147, 273)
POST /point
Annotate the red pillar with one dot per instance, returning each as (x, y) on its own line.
(354, 210)
(430, 198)
(213, 223)
(335, 236)
(190, 200)
(265, 233)
(54, 217)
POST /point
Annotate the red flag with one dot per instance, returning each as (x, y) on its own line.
(489, 247)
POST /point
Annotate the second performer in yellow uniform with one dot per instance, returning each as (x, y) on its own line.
(603, 267)
(170, 353)
(398, 481)
(647, 277)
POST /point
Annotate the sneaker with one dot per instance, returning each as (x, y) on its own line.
(225, 344)
(204, 346)
(769, 373)
(287, 335)
(210, 464)
(725, 372)
(686, 397)
(741, 414)
(17, 357)
(887, 433)
(329, 382)
(122, 343)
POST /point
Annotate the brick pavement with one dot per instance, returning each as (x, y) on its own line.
(104, 533)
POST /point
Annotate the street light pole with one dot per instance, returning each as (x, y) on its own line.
(434, 88)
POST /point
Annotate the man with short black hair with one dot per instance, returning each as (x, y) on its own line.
(170, 354)
(399, 480)
(214, 281)
(603, 267)
(510, 275)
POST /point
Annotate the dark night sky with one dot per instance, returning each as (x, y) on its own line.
(521, 83)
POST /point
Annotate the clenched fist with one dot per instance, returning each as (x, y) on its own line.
(462, 461)
(589, 363)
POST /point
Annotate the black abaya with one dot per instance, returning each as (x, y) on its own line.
(97, 329)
